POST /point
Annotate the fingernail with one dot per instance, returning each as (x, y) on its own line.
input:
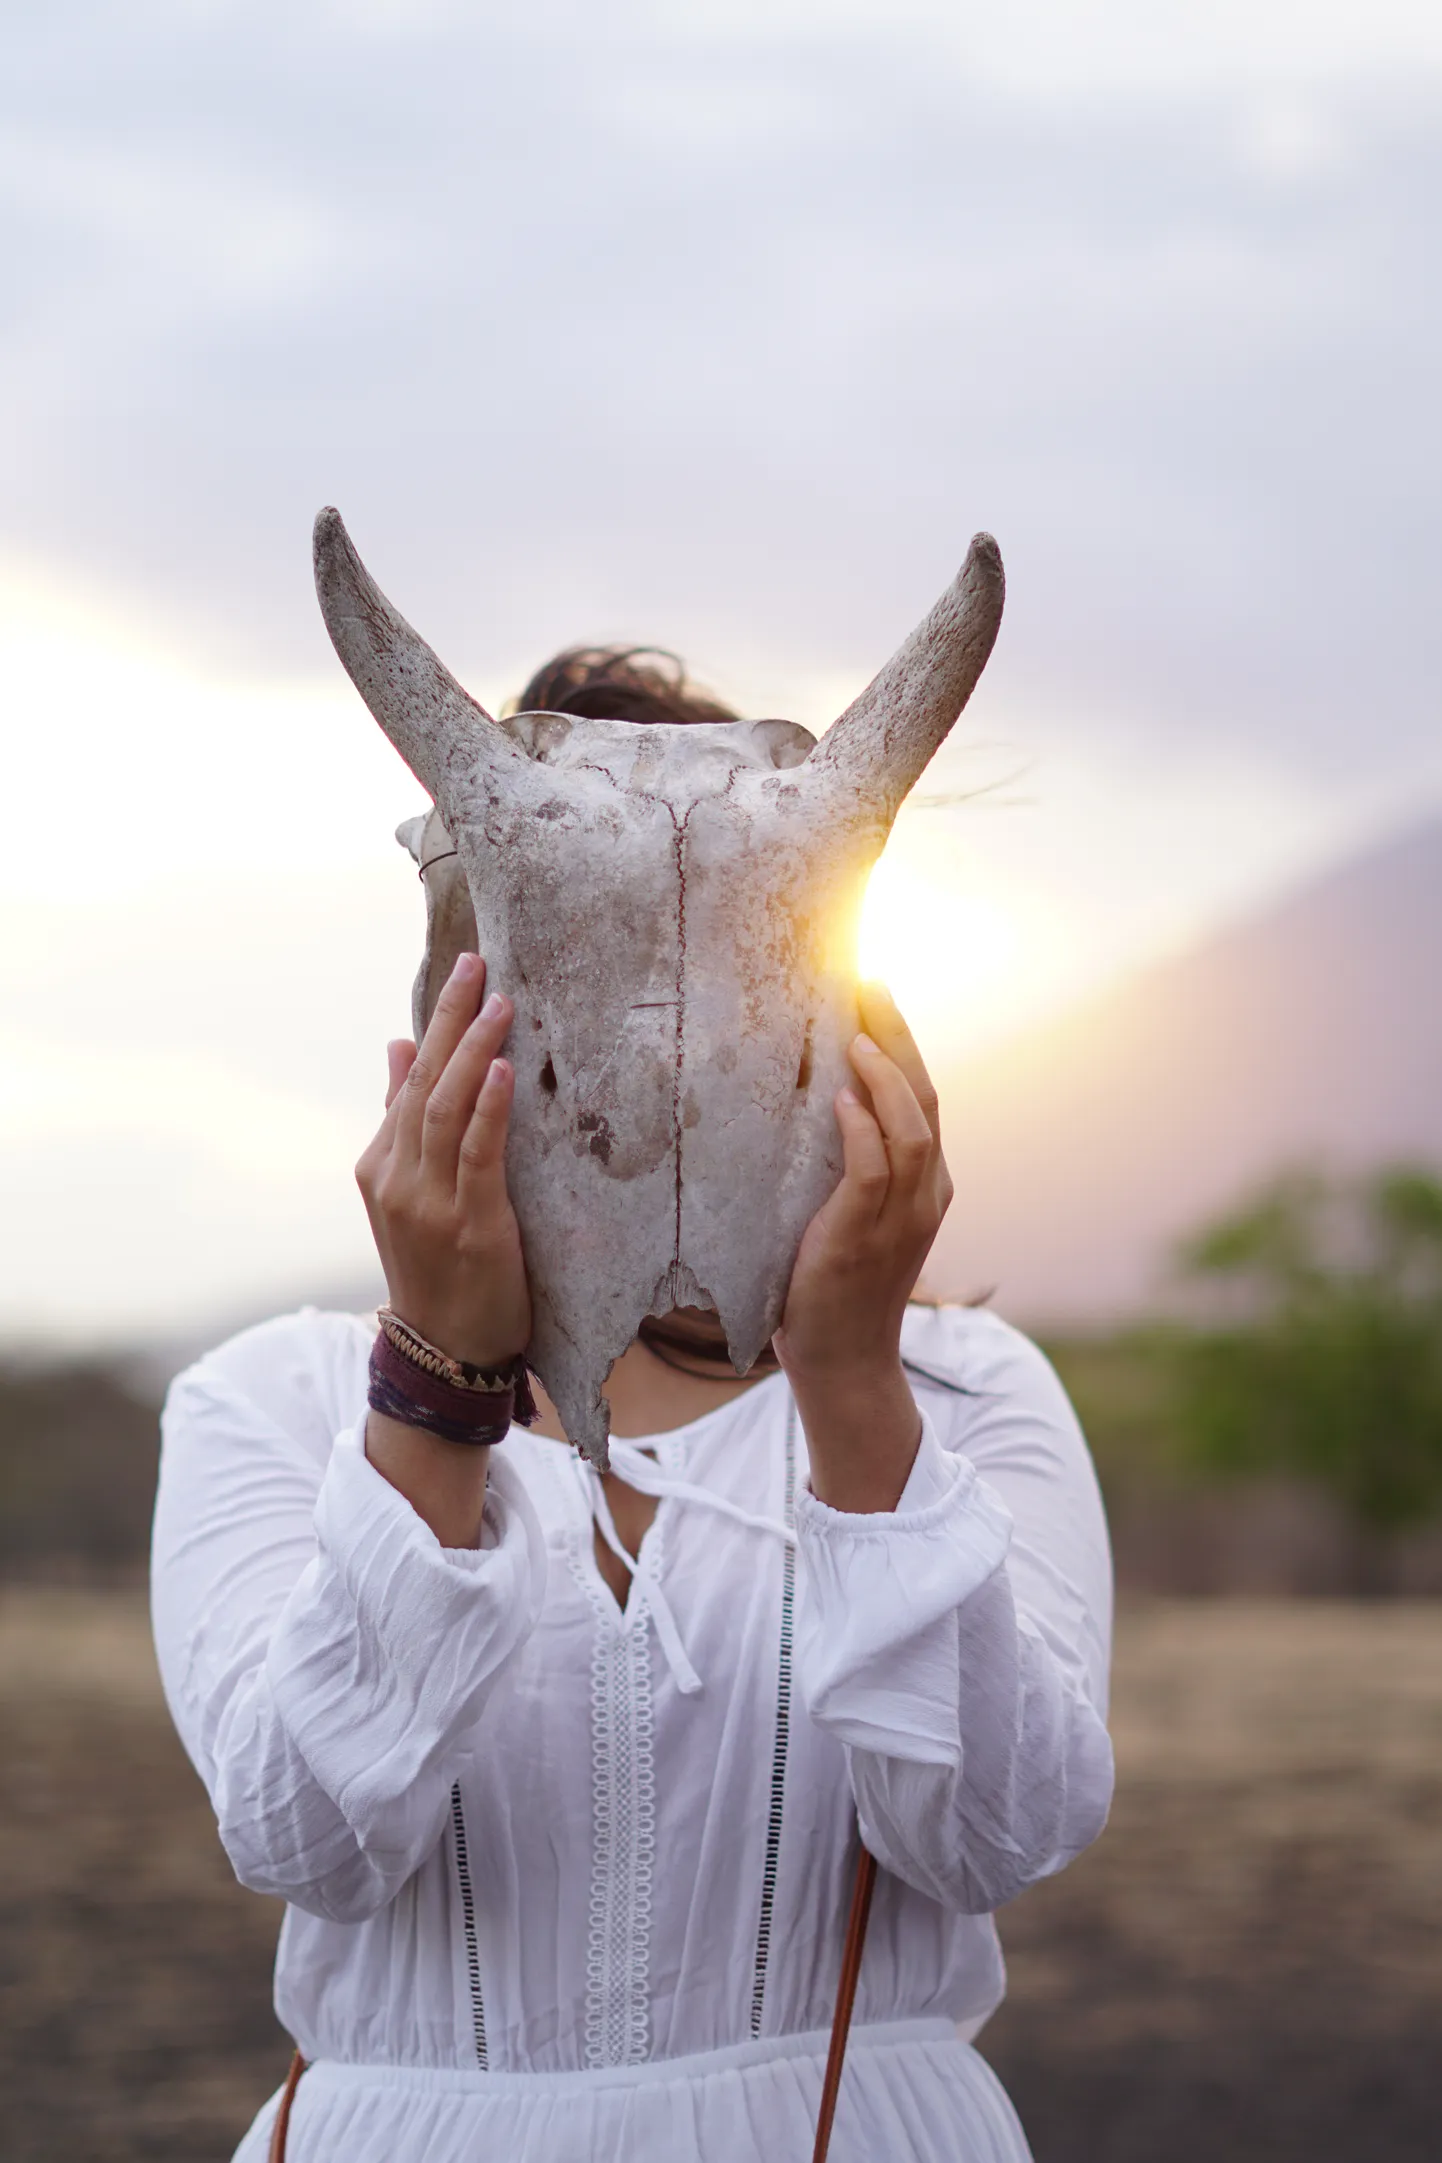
(863, 1043)
(848, 1096)
(466, 965)
(492, 1007)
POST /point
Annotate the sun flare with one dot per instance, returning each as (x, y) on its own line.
(950, 953)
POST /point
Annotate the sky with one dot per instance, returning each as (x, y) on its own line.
(718, 325)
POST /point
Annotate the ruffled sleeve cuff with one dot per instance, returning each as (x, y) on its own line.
(390, 1643)
(878, 1641)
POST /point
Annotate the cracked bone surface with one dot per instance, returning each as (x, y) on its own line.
(673, 911)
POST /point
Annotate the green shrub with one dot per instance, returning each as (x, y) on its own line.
(1321, 1353)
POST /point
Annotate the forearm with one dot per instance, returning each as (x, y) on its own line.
(862, 1430)
(382, 1660)
(444, 1482)
(325, 1657)
(1034, 1778)
(978, 1754)
(284, 1832)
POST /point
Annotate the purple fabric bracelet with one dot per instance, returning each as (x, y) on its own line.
(402, 1391)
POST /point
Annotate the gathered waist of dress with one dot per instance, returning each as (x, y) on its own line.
(339, 2073)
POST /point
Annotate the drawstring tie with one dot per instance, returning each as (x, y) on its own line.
(641, 1472)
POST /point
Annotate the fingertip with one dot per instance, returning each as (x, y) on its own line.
(878, 1003)
(400, 1058)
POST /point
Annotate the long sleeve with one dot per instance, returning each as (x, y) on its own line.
(325, 1659)
(958, 1645)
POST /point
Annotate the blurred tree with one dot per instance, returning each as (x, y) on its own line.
(1320, 1351)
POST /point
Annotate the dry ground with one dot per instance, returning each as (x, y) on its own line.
(1248, 1966)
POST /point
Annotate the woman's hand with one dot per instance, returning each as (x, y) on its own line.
(860, 1257)
(434, 1180)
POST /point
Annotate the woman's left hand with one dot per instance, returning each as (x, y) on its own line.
(860, 1257)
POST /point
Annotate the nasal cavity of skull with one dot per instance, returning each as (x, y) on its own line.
(803, 1065)
(548, 1077)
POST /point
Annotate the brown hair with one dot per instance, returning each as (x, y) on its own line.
(644, 684)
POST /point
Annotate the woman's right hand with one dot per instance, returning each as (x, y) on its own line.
(434, 1180)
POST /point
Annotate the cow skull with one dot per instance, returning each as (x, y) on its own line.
(673, 911)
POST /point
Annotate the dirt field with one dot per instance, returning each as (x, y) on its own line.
(1248, 1966)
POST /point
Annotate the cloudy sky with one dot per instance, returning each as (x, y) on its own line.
(719, 324)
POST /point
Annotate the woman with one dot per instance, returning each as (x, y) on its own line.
(561, 1776)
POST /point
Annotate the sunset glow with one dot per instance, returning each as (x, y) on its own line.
(948, 950)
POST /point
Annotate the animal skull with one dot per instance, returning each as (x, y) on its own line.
(673, 911)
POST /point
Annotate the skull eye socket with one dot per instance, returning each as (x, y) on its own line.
(548, 1077)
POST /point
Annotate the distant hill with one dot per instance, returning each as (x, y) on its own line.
(78, 1451)
(149, 1366)
(1083, 1148)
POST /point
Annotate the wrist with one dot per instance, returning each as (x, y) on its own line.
(444, 1482)
(862, 1432)
(415, 1383)
(467, 1341)
(876, 1380)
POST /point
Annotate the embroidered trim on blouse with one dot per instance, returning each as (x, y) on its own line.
(783, 1737)
(468, 1918)
(623, 1807)
(618, 1952)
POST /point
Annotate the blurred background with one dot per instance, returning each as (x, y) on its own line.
(721, 326)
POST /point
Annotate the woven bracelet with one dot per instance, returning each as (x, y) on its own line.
(404, 1391)
(418, 1351)
(422, 1353)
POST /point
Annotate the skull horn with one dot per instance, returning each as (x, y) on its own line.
(434, 724)
(884, 741)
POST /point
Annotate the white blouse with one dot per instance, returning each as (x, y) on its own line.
(566, 1880)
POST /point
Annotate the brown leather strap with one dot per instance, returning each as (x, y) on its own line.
(862, 1890)
(281, 2127)
(845, 1999)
